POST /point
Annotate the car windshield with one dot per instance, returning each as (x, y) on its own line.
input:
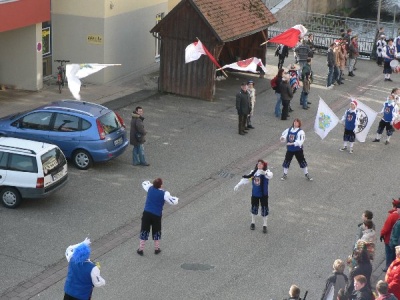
(52, 159)
(110, 122)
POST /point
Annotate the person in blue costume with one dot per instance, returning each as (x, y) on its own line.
(152, 213)
(259, 177)
(350, 120)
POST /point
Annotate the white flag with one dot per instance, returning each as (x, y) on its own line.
(249, 64)
(366, 118)
(194, 51)
(325, 120)
(76, 71)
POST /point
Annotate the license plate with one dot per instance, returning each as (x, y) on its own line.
(58, 176)
(118, 141)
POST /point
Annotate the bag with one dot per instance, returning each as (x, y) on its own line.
(274, 83)
(138, 136)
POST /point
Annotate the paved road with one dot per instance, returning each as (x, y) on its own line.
(208, 250)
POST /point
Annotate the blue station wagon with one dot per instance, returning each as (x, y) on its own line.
(86, 132)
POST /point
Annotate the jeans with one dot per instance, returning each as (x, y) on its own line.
(278, 105)
(352, 62)
(390, 255)
(138, 155)
(336, 73)
(304, 99)
(329, 79)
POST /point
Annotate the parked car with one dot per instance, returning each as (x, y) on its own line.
(86, 132)
(29, 169)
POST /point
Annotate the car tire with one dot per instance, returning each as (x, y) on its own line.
(10, 197)
(82, 159)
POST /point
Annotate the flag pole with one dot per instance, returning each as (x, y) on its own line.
(212, 58)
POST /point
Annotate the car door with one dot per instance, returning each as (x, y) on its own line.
(65, 132)
(3, 166)
(33, 126)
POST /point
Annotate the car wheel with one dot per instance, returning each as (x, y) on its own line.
(82, 159)
(10, 197)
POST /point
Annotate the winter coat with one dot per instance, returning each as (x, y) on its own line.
(386, 297)
(395, 234)
(338, 281)
(365, 269)
(388, 226)
(342, 59)
(393, 277)
(278, 84)
(286, 90)
(330, 56)
(137, 127)
(243, 104)
(353, 51)
(364, 293)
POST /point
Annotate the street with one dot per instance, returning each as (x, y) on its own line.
(208, 250)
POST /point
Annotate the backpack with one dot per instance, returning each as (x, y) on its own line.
(274, 82)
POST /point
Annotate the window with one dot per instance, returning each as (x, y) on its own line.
(23, 163)
(157, 38)
(37, 121)
(110, 122)
(3, 160)
(65, 122)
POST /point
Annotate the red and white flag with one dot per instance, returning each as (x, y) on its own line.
(194, 51)
(290, 37)
(249, 65)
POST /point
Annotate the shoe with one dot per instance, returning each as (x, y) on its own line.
(386, 79)
(284, 119)
(246, 131)
(309, 177)
(145, 164)
(384, 270)
(387, 143)
(330, 87)
(343, 149)
(309, 103)
(284, 177)
(376, 140)
(290, 110)
(288, 116)
(389, 79)
(265, 229)
(157, 251)
(140, 252)
(351, 151)
(305, 108)
(241, 133)
(252, 226)
(351, 74)
(250, 127)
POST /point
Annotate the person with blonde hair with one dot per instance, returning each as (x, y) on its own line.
(294, 292)
(336, 281)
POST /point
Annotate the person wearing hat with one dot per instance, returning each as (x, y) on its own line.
(252, 92)
(389, 53)
(389, 112)
(350, 120)
(259, 178)
(380, 45)
(394, 215)
(243, 107)
(393, 275)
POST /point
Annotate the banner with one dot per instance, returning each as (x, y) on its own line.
(366, 117)
(325, 119)
(74, 72)
(194, 51)
(290, 37)
(249, 64)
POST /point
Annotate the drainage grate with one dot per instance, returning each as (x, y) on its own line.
(196, 267)
(225, 174)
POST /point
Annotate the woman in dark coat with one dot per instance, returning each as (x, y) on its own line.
(363, 267)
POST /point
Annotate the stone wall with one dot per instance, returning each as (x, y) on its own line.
(314, 6)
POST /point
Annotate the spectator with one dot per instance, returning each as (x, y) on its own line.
(367, 215)
(368, 239)
(342, 59)
(286, 96)
(395, 235)
(294, 138)
(259, 178)
(336, 68)
(337, 281)
(394, 215)
(243, 107)
(382, 289)
(353, 54)
(294, 292)
(389, 53)
(152, 213)
(347, 38)
(306, 75)
(341, 295)
(390, 111)
(331, 65)
(83, 274)
(282, 51)
(393, 275)
(310, 44)
(302, 53)
(278, 104)
(252, 92)
(350, 121)
(137, 137)
(380, 45)
(363, 267)
(361, 290)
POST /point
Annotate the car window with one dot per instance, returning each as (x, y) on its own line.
(52, 159)
(23, 163)
(65, 122)
(110, 122)
(85, 124)
(3, 160)
(37, 120)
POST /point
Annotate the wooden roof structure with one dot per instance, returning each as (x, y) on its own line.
(230, 29)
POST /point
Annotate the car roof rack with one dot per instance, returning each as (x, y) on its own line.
(69, 109)
(25, 150)
(85, 103)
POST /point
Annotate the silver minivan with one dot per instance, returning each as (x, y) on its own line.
(29, 169)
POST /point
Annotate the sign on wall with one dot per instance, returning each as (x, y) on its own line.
(95, 39)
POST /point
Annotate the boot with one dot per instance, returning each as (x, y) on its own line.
(351, 74)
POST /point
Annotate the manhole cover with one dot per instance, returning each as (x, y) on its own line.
(197, 267)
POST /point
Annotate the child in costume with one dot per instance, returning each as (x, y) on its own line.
(152, 213)
(83, 274)
(259, 178)
(390, 112)
(350, 120)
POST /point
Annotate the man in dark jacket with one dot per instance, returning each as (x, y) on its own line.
(243, 107)
(330, 56)
(286, 96)
(282, 51)
(361, 289)
(137, 137)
